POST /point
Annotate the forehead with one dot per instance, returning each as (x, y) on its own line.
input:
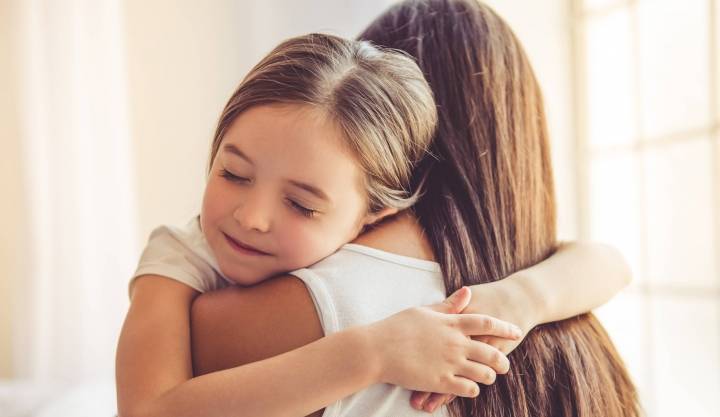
(289, 125)
(295, 143)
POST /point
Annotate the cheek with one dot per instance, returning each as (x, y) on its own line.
(216, 201)
(305, 244)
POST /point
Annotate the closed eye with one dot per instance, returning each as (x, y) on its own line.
(232, 177)
(309, 213)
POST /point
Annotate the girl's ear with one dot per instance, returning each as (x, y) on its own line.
(372, 218)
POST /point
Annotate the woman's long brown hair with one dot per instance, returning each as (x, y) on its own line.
(488, 206)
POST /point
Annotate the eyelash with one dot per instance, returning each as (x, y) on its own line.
(303, 211)
(232, 177)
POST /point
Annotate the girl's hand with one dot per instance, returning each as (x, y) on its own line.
(430, 349)
(492, 299)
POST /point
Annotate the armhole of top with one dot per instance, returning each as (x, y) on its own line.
(328, 317)
(321, 298)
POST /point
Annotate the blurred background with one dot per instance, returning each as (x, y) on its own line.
(107, 109)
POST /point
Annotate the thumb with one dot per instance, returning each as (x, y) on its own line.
(455, 302)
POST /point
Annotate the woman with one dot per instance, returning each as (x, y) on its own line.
(495, 202)
(488, 211)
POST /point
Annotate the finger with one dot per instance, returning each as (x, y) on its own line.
(463, 387)
(489, 356)
(482, 325)
(435, 401)
(418, 399)
(503, 345)
(455, 302)
(478, 372)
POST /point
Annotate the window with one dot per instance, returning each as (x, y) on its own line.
(648, 121)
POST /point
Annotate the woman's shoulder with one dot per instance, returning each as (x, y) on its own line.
(395, 248)
(400, 235)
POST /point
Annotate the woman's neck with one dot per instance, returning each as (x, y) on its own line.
(400, 234)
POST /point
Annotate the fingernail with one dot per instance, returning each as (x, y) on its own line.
(517, 331)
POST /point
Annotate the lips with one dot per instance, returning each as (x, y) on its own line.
(244, 248)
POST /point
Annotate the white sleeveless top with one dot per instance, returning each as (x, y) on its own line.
(359, 285)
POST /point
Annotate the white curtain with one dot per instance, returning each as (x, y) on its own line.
(79, 188)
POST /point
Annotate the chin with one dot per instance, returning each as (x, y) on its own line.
(246, 279)
(245, 282)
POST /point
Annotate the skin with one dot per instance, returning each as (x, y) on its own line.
(284, 184)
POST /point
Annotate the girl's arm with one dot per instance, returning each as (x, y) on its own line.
(155, 377)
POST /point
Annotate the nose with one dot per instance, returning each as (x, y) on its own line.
(252, 215)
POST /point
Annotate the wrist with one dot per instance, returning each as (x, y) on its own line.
(367, 348)
(511, 299)
(527, 298)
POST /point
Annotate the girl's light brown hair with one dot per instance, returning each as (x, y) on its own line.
(378, 98)
(488, 206)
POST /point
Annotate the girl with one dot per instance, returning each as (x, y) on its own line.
(487, 211)
(316, 144)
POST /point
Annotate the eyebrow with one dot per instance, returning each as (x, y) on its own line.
(311, 189)
(229, 147)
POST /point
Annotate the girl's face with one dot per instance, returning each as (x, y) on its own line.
(282, 193)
